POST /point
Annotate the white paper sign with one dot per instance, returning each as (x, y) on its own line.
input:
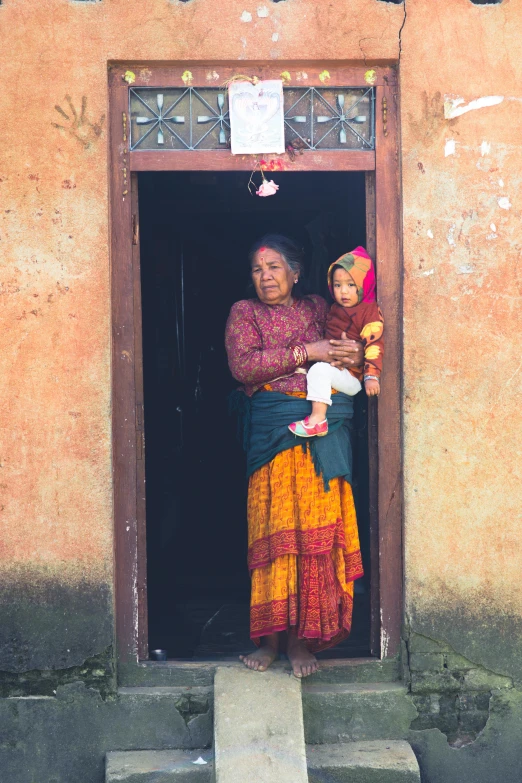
(257, 124)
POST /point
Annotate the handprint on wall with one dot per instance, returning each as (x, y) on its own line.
(78, 125)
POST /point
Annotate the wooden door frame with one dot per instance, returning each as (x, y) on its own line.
(383, 205)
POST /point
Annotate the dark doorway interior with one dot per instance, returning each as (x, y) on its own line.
(196, 229)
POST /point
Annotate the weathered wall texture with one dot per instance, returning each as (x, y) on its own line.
(462, 170)
(57, 549)
(461, 110)
(64, 738)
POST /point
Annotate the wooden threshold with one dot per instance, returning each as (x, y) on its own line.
(147, 674)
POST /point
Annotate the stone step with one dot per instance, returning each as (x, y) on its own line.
(165, 718)
(354, 762)
(182, 673)
(356, 711)
(362, 762)
(159, 766)
(182, 716)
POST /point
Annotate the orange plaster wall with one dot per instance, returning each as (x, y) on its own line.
(462, 321)
(55, 360)
(460, 286)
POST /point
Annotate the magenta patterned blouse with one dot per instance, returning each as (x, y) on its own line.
(259, 340)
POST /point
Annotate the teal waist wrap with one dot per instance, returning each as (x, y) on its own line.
(264, 418)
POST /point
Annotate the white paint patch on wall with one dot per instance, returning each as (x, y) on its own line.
(485, 148)
(385, 640)
(504, 203)
(501, 183)
(429, 232)
(451, 234)
(449, 148)
(246, 16)
(492, 226)
(275, 37)
(262, 11)
(427, 273)
(453, 107)
(466, 269)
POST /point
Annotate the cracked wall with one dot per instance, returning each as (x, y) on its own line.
(493, 756)
(450, 692)
(65, 737)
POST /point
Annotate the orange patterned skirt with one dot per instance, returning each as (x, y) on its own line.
(303, 551)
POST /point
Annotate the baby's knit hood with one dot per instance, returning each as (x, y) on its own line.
(359, 265)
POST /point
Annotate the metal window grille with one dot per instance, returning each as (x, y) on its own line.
(335, 118)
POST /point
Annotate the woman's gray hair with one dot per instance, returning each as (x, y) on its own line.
(286, 247)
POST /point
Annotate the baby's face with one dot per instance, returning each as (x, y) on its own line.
(344, 289)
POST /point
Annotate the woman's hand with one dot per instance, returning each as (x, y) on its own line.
(341, 353)
(319, 351)
(346, 353)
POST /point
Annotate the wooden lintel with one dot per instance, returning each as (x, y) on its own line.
(222, 160)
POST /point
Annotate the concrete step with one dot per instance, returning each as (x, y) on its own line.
(353, 762)
(164, 718)
(159, 766)
(176, 673)
(362, 762)
(258, 727)
(356, 711)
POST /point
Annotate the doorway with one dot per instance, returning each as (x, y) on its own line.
(195, 232)
(380, 165)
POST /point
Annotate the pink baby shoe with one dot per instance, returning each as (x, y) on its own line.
(303, 429)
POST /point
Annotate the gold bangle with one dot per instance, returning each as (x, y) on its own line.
(300, 354)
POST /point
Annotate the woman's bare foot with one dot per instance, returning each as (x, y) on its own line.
(303, 662)
(261, 659)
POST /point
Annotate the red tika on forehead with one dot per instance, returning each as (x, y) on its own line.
(262, 249)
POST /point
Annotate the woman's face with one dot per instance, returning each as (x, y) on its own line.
(272, 277)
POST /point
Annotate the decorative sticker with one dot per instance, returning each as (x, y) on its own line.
(256, 117)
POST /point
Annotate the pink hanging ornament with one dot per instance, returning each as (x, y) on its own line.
(267, 188)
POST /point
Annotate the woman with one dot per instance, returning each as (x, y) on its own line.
(303, 544)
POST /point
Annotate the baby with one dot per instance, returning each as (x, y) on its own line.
(351, 280)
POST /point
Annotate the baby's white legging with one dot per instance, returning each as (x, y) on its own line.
(322, 378)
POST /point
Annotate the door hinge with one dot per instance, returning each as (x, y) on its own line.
(384, 116)
(135, 230)
(140, 444)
